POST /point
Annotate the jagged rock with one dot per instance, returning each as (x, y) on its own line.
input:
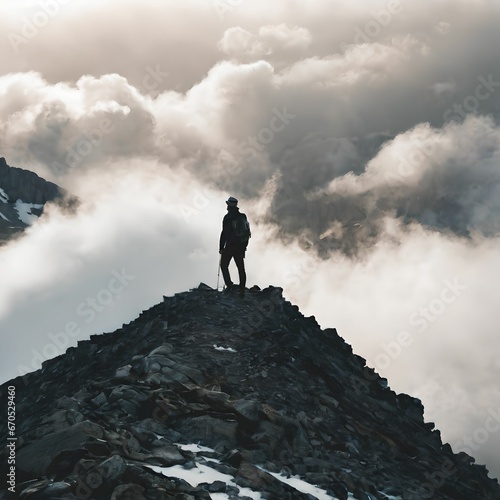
(128, 492)
(249, 391)
(254, 476)
(215, 432)
(112, 468)
(245, 409)
(35, 457)
(45, 490)
(168, 455)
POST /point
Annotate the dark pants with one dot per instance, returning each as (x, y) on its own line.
(238, 254)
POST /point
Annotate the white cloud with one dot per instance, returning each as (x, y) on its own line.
(153, 142)
(269, 40)
(239, 41)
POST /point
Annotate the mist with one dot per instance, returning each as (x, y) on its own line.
(362, 143)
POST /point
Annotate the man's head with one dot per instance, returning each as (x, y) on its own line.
(231, 202)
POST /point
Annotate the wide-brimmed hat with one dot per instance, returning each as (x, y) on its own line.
(231, 201)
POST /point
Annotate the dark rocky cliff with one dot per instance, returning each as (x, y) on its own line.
(273, 403)
(29, 189)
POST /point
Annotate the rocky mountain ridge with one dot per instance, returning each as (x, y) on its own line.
(23, 194)
(209, 396)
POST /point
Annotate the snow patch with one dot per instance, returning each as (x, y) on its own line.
(195, 476)
(24, 211)
(4, 197)
(220, 348)
(195, 448)
(304, 487)
(3, 217)
(204, 474)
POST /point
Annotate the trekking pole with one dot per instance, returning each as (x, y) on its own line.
(218, 273)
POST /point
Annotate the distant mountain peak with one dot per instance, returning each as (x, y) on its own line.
(206, 395)
(23, 195)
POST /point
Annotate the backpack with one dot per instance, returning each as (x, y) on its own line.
(241, 228)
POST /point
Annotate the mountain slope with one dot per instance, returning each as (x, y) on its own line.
(23, 195)
(209, 396)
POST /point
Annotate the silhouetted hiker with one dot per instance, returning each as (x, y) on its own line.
(233, 243)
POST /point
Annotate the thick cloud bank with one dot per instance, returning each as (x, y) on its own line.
(361, 139)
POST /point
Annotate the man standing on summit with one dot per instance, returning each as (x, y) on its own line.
(233, 243)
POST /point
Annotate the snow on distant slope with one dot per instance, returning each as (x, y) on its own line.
(4, 198)
(24, 211)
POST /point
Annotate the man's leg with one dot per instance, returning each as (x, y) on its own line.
(240, 264)
(224, 267)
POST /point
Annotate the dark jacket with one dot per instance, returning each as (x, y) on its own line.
(228, 238)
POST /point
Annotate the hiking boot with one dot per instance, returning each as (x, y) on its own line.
(228, 288)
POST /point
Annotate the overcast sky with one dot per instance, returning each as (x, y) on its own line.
(361, 139)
